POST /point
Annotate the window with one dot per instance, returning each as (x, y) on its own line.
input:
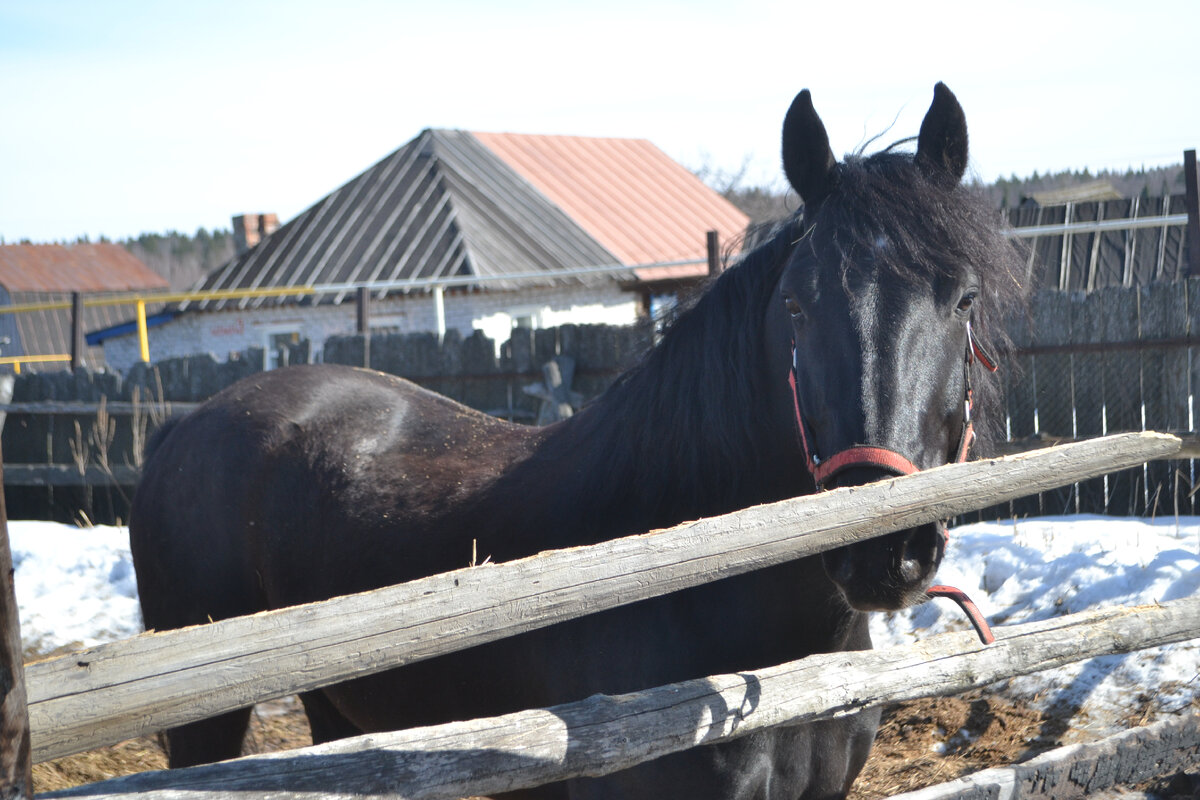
(529, 317)
(276, 344)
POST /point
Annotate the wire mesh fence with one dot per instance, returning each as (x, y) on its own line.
(1109, 361)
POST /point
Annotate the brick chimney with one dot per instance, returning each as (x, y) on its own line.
(250, 229)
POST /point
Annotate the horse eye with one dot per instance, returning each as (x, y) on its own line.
(966, 302)
(793, 307)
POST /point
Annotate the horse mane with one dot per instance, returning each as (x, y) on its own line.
(679, 430)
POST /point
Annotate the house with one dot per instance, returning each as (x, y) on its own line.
(48, 275)
(462, 230)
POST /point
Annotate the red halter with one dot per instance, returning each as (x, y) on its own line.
(883, 458)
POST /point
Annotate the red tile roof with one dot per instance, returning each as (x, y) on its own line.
(101, 267)
(626, 193)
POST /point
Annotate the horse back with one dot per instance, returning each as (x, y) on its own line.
(270, 492)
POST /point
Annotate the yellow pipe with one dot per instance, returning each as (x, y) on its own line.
(143, 339)
(16, 361)
(34, 359)
(177, 297)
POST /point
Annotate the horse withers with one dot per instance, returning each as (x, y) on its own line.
(835, 353)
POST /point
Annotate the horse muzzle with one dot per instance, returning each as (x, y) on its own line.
(888, 572)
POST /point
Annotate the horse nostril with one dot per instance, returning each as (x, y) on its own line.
(909, 570)
(838, 565)
(916, 553)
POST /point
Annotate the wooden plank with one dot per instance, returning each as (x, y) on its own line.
(69, 475)
(1087, 394)
(1122, 392)
(604, 734)
(16, 775)
(1191, 178)
(1164, 387)
(1052, 325)
(1019, 376)
(1082, 770)
(117, 691)
(72, 408)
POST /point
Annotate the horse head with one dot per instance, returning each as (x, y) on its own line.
(878, 296)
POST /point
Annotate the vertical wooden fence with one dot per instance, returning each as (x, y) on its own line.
(1117, 359)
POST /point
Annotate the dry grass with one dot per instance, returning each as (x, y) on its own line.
(925, 742)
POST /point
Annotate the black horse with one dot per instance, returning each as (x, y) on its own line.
(846, 335)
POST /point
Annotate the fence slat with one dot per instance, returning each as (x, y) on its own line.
(1052, 326)
(155, 681)
(1117, 312)
(605, 734)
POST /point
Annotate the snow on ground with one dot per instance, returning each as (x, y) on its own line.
(1034, 569)
(74, 586)
(77, 587)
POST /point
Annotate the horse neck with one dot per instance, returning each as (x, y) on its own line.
(689, 433)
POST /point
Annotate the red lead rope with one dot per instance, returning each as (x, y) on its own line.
(881, 457)
(969, 608)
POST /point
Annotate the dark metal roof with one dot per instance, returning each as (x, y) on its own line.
(442, 205)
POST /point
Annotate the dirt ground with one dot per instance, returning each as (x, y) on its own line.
(920, 743)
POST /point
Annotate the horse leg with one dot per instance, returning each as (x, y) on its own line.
(214, 739)
(326, 722)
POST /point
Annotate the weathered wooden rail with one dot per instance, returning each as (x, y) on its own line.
(155, 681)
(604, 734)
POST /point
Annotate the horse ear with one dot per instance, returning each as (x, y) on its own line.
(808, 160)
(942, 145)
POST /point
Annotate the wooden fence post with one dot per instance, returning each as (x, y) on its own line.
(363, 322)
(1193, 212)
(76, 330)
(16, 776)
(712, 244)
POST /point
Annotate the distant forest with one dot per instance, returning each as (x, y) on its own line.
(181, 259)
(184, 259)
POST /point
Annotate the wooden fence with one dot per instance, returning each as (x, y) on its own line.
(1117, 359)
(112, 692)
(73, 441)
(1084, 364)
(1127, 242)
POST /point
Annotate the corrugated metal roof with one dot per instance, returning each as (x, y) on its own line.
(442, 205)
(103, 267)
(453, 203)
(632, 197)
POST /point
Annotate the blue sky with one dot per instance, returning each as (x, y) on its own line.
(123, 117)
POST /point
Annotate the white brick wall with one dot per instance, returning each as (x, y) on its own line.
(225, 332)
